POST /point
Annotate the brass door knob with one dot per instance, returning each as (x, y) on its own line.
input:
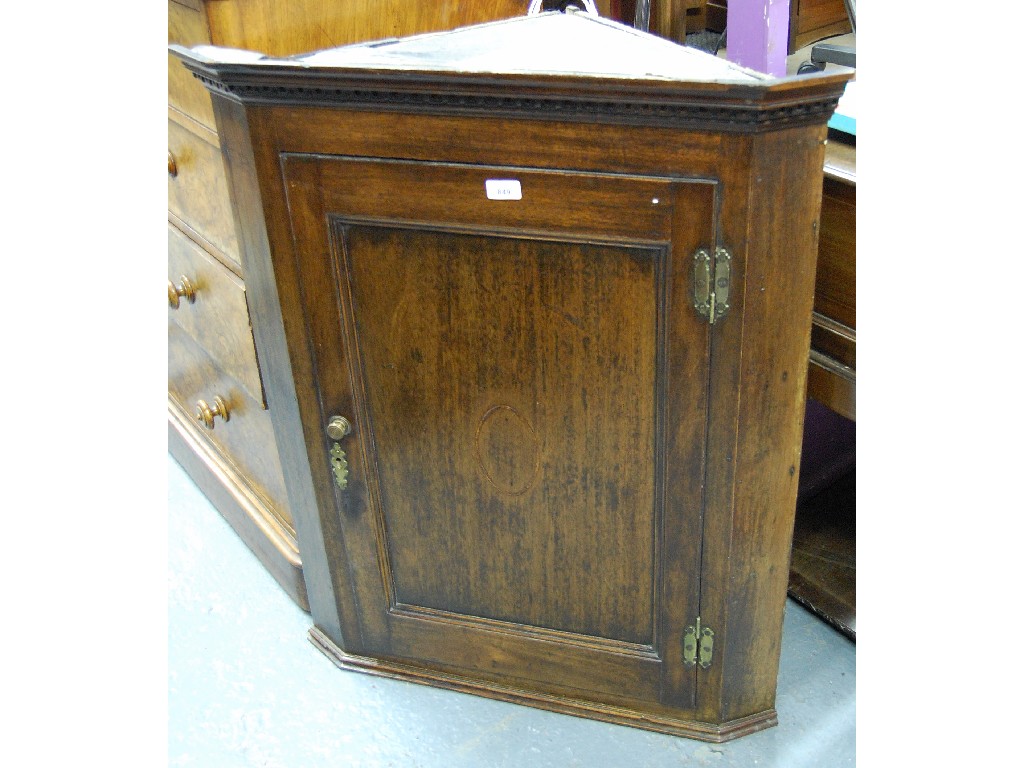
(206, 414)
(172, 165)
(175, 292)
(338, 427)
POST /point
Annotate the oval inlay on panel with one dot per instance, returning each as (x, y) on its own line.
(507, 450)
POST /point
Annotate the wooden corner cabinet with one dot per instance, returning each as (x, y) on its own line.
(532, 305)
(219, 424)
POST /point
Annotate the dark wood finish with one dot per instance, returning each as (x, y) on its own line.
(555, 465)
(609, 714)
(814, 20)
(756, 424)
(836, 285)
(823, 569)
(470, 344)
(716, 13)
(823, 575)
(202, 221)
(833, 358)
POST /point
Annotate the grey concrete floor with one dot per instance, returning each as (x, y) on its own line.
(246, 687)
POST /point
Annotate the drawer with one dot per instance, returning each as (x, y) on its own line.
(187, 26)
(835, 289)
(246, 439)
(197, 190)
(213, 312)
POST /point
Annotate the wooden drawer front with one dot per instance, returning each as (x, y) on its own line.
(835, 289)
(247, 438)
(197, 193)
(187, 26)
(218, 319)
(817, 19)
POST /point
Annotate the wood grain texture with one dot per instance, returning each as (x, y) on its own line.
(835, 291)
(185, 94)
(833, 362)
(266, 280)
(218, 320)
(555, 464)
(246, 440)
(198, 194)
(271, 27)
(694, 729)
(473, 349)
(463, 353)
(758, 387)
(832, 384)
(814, 20)
(200, 205)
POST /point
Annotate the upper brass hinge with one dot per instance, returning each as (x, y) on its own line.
(698, 645)
(711, 278)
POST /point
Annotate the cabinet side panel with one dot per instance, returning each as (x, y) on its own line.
(760, 383)
(272, 283)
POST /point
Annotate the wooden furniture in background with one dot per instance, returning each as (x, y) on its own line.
(233, 456)
(809, 20)
(823, 569)
(833, 357)
(539, 444)
(814, 20)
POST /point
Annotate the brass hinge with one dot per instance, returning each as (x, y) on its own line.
(698, 645)
(711, 279)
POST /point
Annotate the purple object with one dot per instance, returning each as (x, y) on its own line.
(758, 34)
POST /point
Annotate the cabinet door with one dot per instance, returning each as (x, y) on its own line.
(525, 376)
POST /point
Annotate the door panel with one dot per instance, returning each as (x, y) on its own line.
(518, 462)
(493, 374)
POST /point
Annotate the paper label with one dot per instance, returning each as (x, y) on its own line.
(504, 189)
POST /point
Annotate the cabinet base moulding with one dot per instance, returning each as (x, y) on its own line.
(243, 509)
(594, 711)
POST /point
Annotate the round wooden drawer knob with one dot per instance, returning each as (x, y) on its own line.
(206, 414)
(176, 292)
(172, 165)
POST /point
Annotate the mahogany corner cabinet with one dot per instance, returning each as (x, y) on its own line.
(532, 301)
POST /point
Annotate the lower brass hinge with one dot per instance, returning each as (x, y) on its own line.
(712, 276)
(698, 645)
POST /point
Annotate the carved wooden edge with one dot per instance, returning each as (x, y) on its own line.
(595, 711)
(237, 503)
(717, 106)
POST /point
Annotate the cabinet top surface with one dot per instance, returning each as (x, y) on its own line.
(551, 43)
(577, 64)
